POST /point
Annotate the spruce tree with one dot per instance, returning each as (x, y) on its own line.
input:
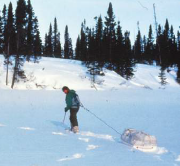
(119, 42)
(11, 35)
(21, 21)
(1, 35)
(119, 57)
(59, 50)
(66, 43)
(10, 45)
(129, 61)
(71, 53)
(37, 46)
(178, 57)
(172, 47)
(127, 43)
(68, 50)
(55, 32)
(4, 24)
(56, 41)
(110, 28)
(91, 56)
(4, 16)
(49, 48)
(149, 50)
(30, 35)
(138, 47)
(144, 45)
(37, 43)
(105, 46)
(166, 30)
(92, 60)
(165, 45)
(91, 51)
(83, 42)
(162, 76)
(178, 43)
(99, 38)
(77, 50)
(159, 45)
(45, 50)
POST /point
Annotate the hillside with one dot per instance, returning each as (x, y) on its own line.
(52, 73)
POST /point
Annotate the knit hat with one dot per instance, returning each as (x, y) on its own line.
(65, 88)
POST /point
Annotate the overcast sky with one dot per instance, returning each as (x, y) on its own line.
(128, 12)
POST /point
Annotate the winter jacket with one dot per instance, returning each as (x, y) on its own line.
(69, 100)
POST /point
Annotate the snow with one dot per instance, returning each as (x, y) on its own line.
(178, 159)
(92, 147)
(75, 156)
(84, 139)
(32, 132)
(161, 150)
(26, 128)
(58, 133)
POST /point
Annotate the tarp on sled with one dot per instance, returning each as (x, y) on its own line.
(139, 140)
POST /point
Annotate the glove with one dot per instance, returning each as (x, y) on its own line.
(66, 109)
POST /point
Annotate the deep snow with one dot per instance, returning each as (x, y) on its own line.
(32, 133)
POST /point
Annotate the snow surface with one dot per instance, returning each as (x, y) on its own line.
(32, 132)
(178, 159)
(53, 74)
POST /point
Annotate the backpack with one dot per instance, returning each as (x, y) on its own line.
(76, 101)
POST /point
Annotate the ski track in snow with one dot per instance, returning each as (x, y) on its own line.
(58, 133)
(26, 128)
(75, 156)
(84, 139)
(100, 136)
(92, 147)
(158, 151)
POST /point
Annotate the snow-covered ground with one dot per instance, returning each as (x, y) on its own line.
(53, 74)
(32, 132)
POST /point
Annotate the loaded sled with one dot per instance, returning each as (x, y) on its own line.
(139, 140)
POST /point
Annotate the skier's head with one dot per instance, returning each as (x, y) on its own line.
(65, 89)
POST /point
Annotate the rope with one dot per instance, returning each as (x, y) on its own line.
(100, 119)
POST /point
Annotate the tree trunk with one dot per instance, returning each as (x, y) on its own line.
(16, 61)
(7, 66)
(15, 71)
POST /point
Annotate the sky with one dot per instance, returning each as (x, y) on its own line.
(128, 12)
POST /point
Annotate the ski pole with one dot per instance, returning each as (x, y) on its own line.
(64, 117)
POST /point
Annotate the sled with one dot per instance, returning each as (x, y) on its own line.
(139, 140)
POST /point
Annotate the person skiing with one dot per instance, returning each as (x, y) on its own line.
(72, 104)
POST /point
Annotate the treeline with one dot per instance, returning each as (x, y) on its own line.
(19, 31)
(104, 45)
(19, 37)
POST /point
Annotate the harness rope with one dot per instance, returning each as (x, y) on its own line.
(81, 105)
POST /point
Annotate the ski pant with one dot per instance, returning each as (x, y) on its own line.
(73, 116)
